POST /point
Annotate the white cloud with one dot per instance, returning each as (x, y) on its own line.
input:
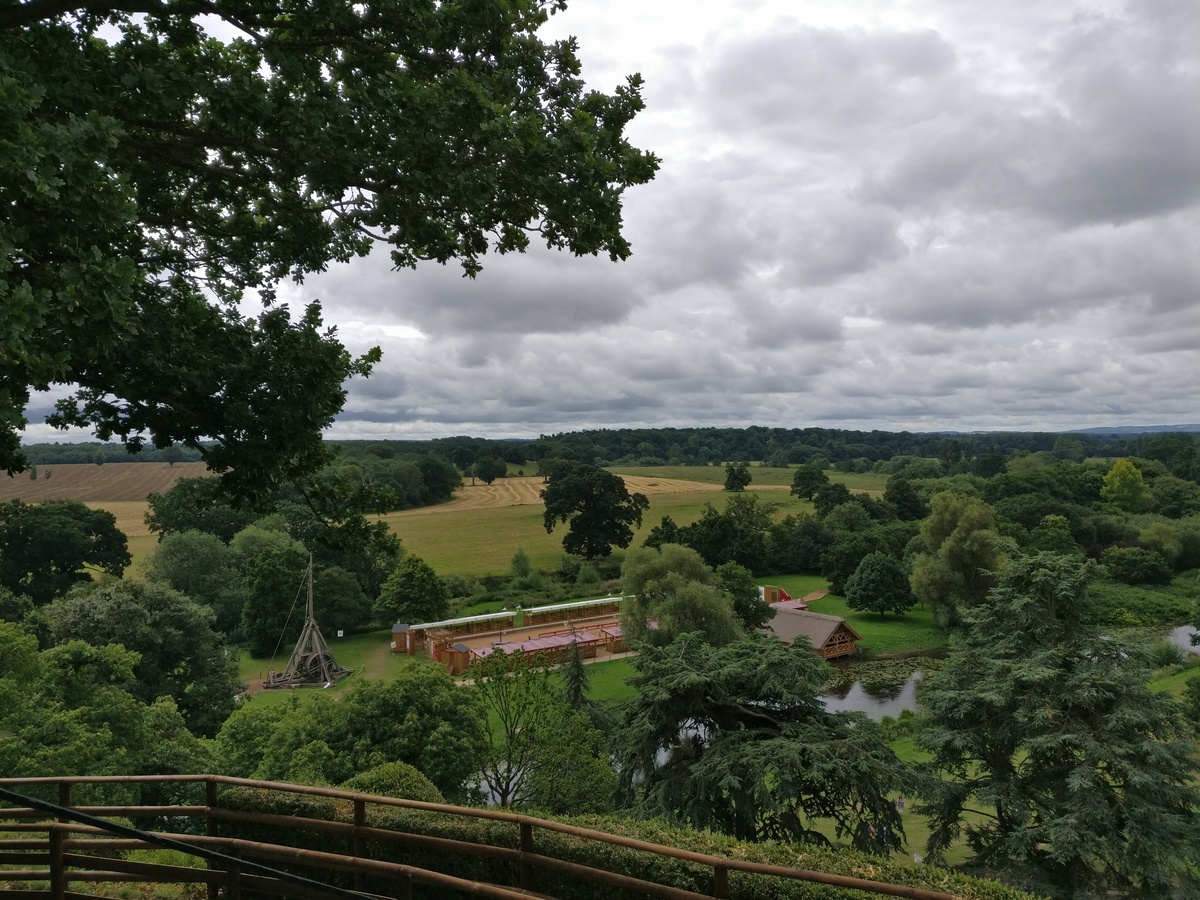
(916, 215)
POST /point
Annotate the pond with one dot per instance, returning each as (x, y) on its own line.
(875, 699)
(889, 693)
(1182, 637)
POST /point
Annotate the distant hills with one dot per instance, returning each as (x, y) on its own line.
(1134, 429)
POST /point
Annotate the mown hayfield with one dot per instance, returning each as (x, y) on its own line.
(119, 488)
(98, 485)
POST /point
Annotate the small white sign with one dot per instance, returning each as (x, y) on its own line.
(341, 633)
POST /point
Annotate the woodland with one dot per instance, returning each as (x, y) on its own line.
(1039, 754)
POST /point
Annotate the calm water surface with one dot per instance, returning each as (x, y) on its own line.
(876, 702)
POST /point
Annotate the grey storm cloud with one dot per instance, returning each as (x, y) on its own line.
(921, 215)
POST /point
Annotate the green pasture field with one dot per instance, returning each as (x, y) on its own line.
(475, 542)
(478, 541)
(1175, 679)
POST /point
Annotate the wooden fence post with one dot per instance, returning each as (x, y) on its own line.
(358, 844)
(58, 864)
(526, 847)
(210, 828)
(720, 881)
(64, 799)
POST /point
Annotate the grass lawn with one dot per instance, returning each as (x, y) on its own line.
(606, 680)
(913, 631)
(1175, 679)
(760, 476)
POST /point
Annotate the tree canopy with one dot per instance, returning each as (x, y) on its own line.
(879, 585)
(598, 507)
(734, 739)
(46, 548)
(155, 175)
(1047, 721)
(179, 654)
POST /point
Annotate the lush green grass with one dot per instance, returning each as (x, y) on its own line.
(479, 541)
(760, 476)
(868, 482)
(911, 632)
(482, 541)
(606, 680)
(1174, 680)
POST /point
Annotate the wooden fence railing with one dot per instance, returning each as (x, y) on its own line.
(46, 847)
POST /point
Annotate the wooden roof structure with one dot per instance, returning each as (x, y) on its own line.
(312, 663)
(830, 636)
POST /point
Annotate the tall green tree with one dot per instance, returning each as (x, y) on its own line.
(196, 504)
(673, 592)
(807, 481)
(599, 510)
(734, 739)
(964, 555)
(737, 476)
(273, 566)
(47, 548)
(541, 751)
(413, 593)
(748, 605)
(880, 585)
(151, 167)
(179, 653)
(1046, 724)
(203, 568)
(1125, 488)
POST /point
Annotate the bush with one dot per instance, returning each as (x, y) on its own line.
(587, 575)
(673, 872)
(397, 780)
(1128, 605)
(1136, 565)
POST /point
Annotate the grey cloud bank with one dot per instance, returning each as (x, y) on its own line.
(923, 216)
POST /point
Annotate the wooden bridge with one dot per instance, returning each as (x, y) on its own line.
(48, 848)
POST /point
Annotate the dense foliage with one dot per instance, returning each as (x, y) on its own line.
(46, 548)
(733, 739)
(178, 652)
(599, 510)
(1047, 720)
(155, 175)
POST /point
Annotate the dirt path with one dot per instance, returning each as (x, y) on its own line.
(527, 491)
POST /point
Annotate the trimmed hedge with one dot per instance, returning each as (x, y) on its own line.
(665, 870)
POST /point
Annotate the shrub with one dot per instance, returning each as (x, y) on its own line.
(1136, 565)
(395, 779)
(673, 872)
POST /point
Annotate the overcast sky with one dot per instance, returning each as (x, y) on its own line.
(911, 215)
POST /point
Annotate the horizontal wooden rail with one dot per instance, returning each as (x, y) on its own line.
(242, 867)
